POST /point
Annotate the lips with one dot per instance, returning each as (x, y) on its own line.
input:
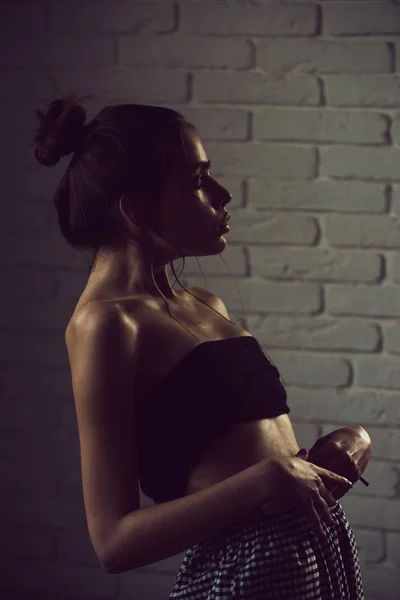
(225, 220)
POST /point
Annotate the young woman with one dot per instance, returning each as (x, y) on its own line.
(171, 394)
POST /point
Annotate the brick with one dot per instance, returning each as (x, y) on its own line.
(225, 19)
(394, 271)
(272, 228)
(107, 16)
(178, 52)
(374, 301)
(34, 384)
(48, 316)
(370, 545)
(318, 195)
(22, 17)
(306, 434)
(46, 351)
(16, 86)
(17, 119)
(347, 19)
(70, 426)
(310, 125)
(233, 255)
(57, 51)
(380, 371)
(25, 216)
(235, 186)
(311, 370)
(62, 254)
(358, 407)
(26, 282)
(383, 479)
(320, 56)
(217, 123)
(381, 91)
(118, 83)
(70, 283)
(301, 1)
(37, 185)
(261, 297)
(278, 160)
(396, 129)
(25, 415)
(361, 163)
(397, 57)
(396, 198)
(362, 231)
(155, 587)
(382, 580)
(168, 566)
(392, 337)
(46, 449)
(16, 477)
(385, 440)
(75, 548)
(393, 548)
(256, 88)
(379, 513)
(33, 543)
(57, 578)
(316, 333)
(315, 264)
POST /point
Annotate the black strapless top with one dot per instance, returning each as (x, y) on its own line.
(219, 383)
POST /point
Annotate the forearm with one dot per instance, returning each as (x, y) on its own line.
(154, 533)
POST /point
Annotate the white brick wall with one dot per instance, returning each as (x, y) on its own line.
(298, 104)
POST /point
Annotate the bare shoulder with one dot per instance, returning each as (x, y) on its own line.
(97, 317)
(212, 299)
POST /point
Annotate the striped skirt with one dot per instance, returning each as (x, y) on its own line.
(273, 555)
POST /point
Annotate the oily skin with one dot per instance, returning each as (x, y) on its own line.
(193, 205)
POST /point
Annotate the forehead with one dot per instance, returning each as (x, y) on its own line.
(194, 149)
(192, 153)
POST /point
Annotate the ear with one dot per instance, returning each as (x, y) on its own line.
(132, 209)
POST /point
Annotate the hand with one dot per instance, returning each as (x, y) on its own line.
(345, 451)
(305, 487)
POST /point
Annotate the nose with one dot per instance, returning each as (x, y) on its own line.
(223, 195)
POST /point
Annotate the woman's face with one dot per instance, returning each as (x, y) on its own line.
(194, 202)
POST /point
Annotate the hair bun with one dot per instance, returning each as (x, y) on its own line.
(61, 130)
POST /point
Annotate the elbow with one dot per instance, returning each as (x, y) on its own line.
(109, 564)
(110, 568)
(105, 557)
(106, 564)
(113, 563)
(115, 567)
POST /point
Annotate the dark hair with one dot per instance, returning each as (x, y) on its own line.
(124, 148)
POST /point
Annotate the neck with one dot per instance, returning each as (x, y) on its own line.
(130, 273)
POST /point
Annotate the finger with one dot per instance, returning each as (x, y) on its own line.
(315, 522)
(352, 468)
(326, 495)
(323, 510)
(347, 468)
(329, 478)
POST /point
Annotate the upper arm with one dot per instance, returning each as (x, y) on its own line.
(102, 351)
